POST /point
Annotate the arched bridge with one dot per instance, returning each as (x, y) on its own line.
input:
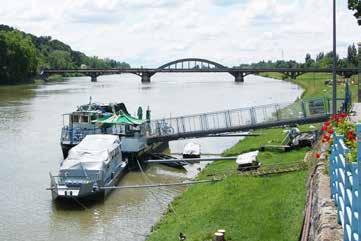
(196, 65)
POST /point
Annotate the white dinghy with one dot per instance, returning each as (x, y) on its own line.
(192, 150)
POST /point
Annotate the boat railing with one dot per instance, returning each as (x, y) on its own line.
(73, 180)
(71, 135)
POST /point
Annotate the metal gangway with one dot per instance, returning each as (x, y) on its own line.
(242, 119)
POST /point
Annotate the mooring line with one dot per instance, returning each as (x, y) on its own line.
(80, 204)
(162, 184)
(154, 196)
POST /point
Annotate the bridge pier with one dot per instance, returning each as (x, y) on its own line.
(94, 77)
(44, 77)
(238, 77)
(146, 77)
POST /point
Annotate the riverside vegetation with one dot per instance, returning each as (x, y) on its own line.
(249, 208)
(23, 55)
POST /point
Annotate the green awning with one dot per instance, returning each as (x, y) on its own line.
(120, 118)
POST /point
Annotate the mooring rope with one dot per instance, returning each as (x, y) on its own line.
(162, 184)
(80, 203)
(154, 196)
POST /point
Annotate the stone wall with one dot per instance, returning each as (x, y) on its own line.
(323, 224)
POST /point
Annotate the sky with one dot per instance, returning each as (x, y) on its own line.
(150, 33)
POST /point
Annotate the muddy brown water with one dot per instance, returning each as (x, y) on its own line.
(30, 123)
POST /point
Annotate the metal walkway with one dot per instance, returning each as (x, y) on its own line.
(243, 119)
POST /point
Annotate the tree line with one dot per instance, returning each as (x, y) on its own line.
(23, 55)
(321, 60)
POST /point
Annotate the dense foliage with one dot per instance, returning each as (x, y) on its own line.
(18, 59)
(355, 5)
(23, 55)
(322, 60)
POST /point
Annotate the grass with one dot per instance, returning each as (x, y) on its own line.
(314, 84)
(249, 208)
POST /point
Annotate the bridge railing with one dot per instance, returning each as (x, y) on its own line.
(237, 118)
(345, 180)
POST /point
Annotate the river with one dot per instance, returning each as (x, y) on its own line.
(30, 123)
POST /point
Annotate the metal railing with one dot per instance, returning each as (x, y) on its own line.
(73, 180)
(239, 117)
(218, 121)
(75, 135)
(345, 181)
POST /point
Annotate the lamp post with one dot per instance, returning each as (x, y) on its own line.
(334, 93)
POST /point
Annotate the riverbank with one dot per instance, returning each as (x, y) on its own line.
(314, 84)
(248, 208)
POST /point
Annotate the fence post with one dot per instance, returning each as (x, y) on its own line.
(277, 107)
(354, 210)
(338, 178)
(358, 168)
(303, 109)
(253, 115)
(332, 168)
(347, 199)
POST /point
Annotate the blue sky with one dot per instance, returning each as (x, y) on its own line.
(150, 32)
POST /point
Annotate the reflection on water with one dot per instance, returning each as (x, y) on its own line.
(30, 123)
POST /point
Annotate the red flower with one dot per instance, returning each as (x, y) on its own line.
(331, 131)
(327, 123)
(351, 135)
(318, 155)
(343, 115)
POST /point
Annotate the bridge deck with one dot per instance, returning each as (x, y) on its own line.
(243, 119)
(192, 70)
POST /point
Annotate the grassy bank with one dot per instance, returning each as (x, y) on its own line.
(314, 84)
(249, 208)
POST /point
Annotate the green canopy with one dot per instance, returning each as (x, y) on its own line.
(121, 118)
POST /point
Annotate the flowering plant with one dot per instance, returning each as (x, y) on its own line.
(342, 126)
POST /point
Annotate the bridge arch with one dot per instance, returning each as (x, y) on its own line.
(192, 63)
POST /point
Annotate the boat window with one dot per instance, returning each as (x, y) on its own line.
(75, 118)
(93, 117)
(84, 119)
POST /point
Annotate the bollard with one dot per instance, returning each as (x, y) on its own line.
(218, 237)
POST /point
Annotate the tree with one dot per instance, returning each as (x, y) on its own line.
(352, 55)
(308, 60)
(18, 59)
(355, 5)
(320, 56)
(22, 55)
(60, 59)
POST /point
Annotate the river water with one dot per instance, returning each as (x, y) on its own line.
(30, 123)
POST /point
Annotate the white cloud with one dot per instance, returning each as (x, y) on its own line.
(152, 32)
